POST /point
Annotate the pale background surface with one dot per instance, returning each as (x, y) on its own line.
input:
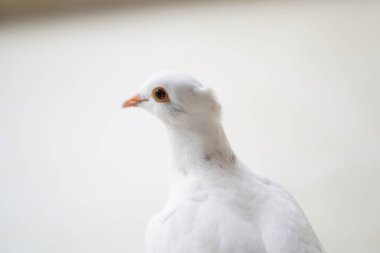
(299, 83)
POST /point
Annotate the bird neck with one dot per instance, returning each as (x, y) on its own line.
(200, 146)
(199, 153)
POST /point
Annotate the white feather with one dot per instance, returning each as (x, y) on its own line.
(215, 203)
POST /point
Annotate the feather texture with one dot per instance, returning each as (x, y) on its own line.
(216, 204)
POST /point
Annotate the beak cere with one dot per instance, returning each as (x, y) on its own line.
(133, 101)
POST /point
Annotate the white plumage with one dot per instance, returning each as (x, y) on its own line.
(215, 203)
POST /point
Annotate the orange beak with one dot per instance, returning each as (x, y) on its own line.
(133, 101)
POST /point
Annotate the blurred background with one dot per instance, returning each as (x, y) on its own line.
(299, 82)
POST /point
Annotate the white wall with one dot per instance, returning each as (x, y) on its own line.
(299, 83)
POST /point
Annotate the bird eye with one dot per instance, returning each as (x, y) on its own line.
(159, 94)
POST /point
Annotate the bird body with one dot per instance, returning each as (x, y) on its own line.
(216, 204)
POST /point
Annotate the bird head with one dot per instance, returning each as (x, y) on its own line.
(177, 99)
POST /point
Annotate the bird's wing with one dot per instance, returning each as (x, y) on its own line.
(282, 222)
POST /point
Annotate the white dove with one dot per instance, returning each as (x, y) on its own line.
(215, 203)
